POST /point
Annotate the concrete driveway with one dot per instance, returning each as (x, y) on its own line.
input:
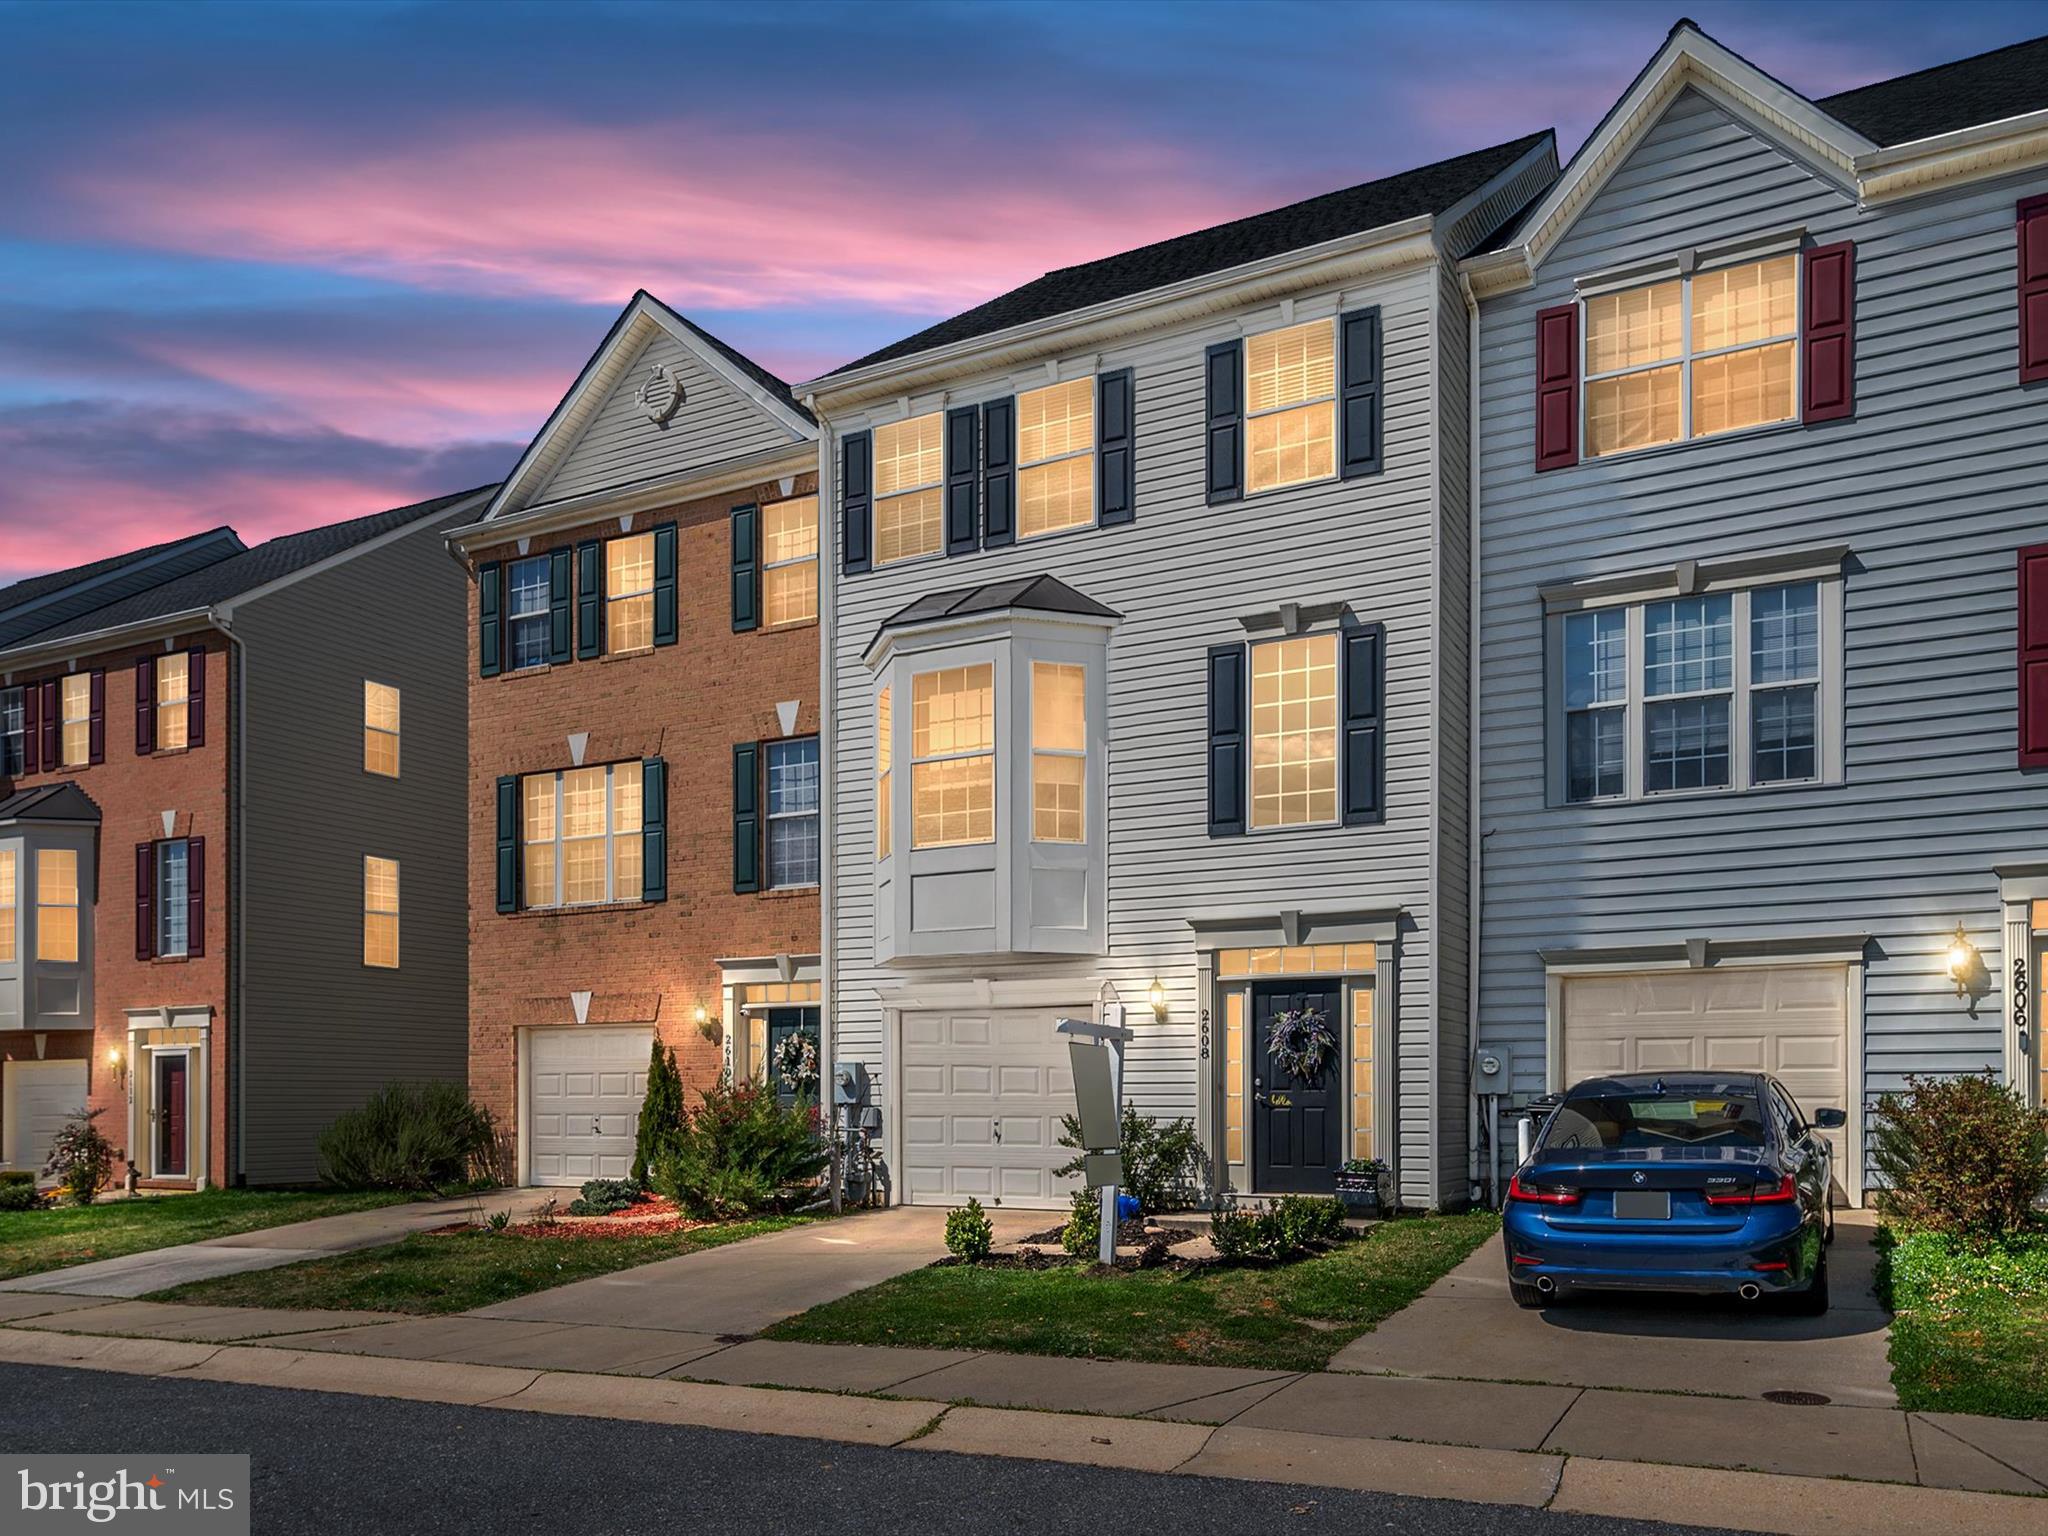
(1466, 1327)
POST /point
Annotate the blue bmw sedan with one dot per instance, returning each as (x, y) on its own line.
(1717, 1184)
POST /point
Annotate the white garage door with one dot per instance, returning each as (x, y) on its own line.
(982, 1098)
(1791, 1021)
(584, 1088)
(40, 1096)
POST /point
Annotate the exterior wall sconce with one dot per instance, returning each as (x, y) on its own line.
(117, 1064)
(1963, 960)
(701, 1017)
(1156, 995)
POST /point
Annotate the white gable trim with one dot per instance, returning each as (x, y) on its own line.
(643, 319)
(1987, 149)
(1689, 58)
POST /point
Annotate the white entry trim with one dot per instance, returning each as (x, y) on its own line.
(2019, 887)
(198, 1084)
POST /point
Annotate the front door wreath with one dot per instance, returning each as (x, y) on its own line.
(1302, 1042)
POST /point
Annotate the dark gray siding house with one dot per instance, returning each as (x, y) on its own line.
(1760, 474)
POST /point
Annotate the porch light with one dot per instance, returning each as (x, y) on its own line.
(1156, 995)
(699, 1016)
(114, 1063)
(1962, 960)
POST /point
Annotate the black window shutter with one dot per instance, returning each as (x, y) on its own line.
(195, 697)
(96, 717)
(856, 501)
(665, 584)
(53, 727)
(999, 472)
(508, 843)
(145, 901)
(1115, 466)
(1364, 761)
(746, 568)
(746, 816)
(1358, 426)
(145, 706)
(195, 898)
(490, 618)
(1226, 740)
(1225, 438)
(963, 469)
(654, 829)
(561, 606)
(589, 599)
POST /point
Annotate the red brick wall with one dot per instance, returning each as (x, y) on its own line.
(133, 793)
(688, 703)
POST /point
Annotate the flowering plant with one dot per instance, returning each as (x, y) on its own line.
(1302, 1042)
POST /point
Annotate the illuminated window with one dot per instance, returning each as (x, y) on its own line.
(1294, 732)
(10, 904)
(56, 904)
(1297, 960)
(952, 757)
(629, 593)
(910, 464)
(1056, 457)
(789, 561)
(1059, 752)
(580, 836)
(173, 701)
(1692, 356)
(1361, 1072)
(885, 749)
(380, 729)
(1290, 390)
(77, 719)
(380, 913)
(1233, 1081)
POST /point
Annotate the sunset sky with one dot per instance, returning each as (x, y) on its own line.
(274, 265)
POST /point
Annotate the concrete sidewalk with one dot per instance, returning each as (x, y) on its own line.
(138, 1274)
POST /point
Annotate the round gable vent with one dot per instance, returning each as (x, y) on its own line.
(661, 395)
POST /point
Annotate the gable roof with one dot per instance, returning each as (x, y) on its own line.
(38, 602)
(62, 801)
(1428, 189)
(643, 317)
(1985, 88)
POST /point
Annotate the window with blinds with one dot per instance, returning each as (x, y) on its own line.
(789, 562)
(1290, 391)
(1059, 752)
(910, 464)
(380, 913)
(1056, 457)
(629, 593)
(173, 701)
(952, 757)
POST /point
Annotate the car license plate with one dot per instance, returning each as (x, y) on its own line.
(1642, 1205)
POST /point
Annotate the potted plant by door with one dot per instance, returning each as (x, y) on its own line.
(1358, 1185)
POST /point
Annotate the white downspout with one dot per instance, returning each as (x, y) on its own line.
(1474, 904)
(828, 596)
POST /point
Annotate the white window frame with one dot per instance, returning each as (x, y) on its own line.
(1683, 272)
(14, 705)
(1251, 650)
(396, 735)
(75, 906)
(995, 738)
(938, 550)
(161, 938)
(613, 598)
(398, 902)
(611, 836)
(1086, 452)
(65, 720)
(767, 565)
(769, 815)
(1829, 761)
(165, 703)
(885, 772)
(1079, 755)
(1250, 415)
(10, 912)
(515, 616)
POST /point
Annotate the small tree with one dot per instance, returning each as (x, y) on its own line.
(740, 1151)
(661, 1114)
(1961, 1155)
(1160, 1158)
(81, 1158)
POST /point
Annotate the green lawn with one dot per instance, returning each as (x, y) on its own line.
(1294, 1317)
(454, 1271)
(51, 1238)
(1971, 1330)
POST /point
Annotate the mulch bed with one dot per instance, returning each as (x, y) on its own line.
(649, 1216)
(1135, 1233)
(1154, 1245)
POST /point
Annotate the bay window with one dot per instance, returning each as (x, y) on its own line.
(952, 757)
(1056, 457)
(1290, 393)
(885, 748)
(581, 835)
(10, 903)
(1059, 752)
(910, 466)
(57, 904)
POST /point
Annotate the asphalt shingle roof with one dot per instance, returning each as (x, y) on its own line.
(1984, 88)
(1427, 189)
(62, 801)
(31, 587)
(42, 602)
(740, 360)
(1041, 594)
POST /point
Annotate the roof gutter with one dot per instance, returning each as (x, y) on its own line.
(1985, 149)
(85, 643)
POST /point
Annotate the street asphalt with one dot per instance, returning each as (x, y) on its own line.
(327, 1463)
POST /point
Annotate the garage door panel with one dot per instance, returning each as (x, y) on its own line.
(584, 1089)
(1023, 1131)
(982, 1094)
(1653, 1054)
(1736, 1053)
(924, 1079)
(969, 1030)
(40, 1096)
(1725, 995)
(974, 1081)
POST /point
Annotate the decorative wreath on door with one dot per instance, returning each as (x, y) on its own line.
(1302, 1042)
(795, 1063)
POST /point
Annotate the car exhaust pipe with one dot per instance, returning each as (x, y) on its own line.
(1548, 1286)
(1750, 1292)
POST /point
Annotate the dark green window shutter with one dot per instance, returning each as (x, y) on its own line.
(1224, 453)
(589, 599)
(1226, 740)
(1115, 466)
(654, 829)
(963, 470)
(746, 568)
(746, 816)
(561, 606)
(856, 501)
(665, 584)
(508, 843)
(999, 472)
(490, 618)
(1364, 762)
(1358, 424)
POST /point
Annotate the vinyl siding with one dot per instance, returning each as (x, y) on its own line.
(318, 1030)
(1452, 854)
(1933, 486)
(1181, 575)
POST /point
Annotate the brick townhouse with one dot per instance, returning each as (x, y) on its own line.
(230, 880)
(643, 757)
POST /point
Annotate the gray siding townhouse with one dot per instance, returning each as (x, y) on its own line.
(1763, 614)
(1146, 685)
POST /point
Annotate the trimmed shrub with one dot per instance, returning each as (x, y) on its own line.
(661, 1114)
(969, 1233)
(1240, 1234)
(18, 1190)
(739, 1152)
(1162, 1159)
(1082, 1235)
(1309, 1221)
(1293, 1227)
(414, 1136)
(1963, 1156)
(1924, 1269)
(601, 1197)
(81, 1158)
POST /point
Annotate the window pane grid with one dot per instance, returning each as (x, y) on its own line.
(13, 736)
(380, 912)
(885, 750)
(1361, 1072)
(172, 896)
(629, 593)
(952, 769)
(1233, 1077)
(527, 612)
(1298, 960)
(173, 698)
(581, 836)
(1056, 457)
(1059, 744)
(1290, 367)
(789, 559)
(77, 719)
(794, 844)
(1294, 732)
(57, 904)
(10, 905)
(1689, 646)
(380, 729)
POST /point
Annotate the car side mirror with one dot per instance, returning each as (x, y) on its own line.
(1830, 1119)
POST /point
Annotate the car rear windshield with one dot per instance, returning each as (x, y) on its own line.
(1642, 1120)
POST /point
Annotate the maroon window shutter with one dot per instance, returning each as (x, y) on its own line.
(1557, 387)
(195, 897)
(1827, 363)
(2033, 231)
(53, 757)
(32, 728)
(195, 698)
(145, 901)
(96, 719)
(145, 706)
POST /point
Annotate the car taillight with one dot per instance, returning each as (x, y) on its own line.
(1787, 1189)
(1517, 1190)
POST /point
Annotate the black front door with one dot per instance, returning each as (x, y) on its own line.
(782, 1024)
(1297, 1122)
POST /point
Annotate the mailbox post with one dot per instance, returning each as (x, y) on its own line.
(1097, 1053)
